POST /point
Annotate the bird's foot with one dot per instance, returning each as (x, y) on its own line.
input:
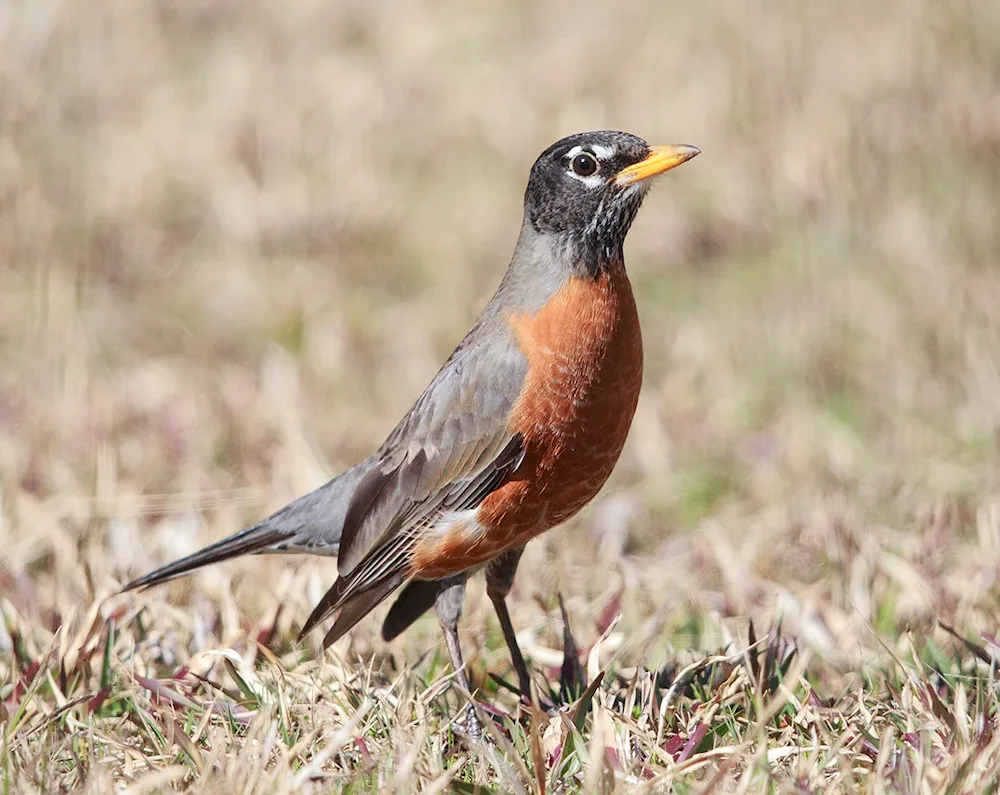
(471, 729)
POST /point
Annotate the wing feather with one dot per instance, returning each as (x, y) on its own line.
(388, 560)
(446, 456)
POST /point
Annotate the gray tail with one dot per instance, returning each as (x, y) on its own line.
(312, 524)
(258, 538)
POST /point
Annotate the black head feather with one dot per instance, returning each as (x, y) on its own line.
(590, 209)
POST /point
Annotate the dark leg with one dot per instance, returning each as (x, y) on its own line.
(499, 578)
(448, 604)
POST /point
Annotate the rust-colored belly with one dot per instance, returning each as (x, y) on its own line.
(584, 351)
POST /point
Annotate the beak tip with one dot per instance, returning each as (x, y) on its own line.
(658, 160)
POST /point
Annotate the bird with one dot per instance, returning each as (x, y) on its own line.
(518, 430)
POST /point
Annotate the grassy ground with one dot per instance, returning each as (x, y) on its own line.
(236, 240)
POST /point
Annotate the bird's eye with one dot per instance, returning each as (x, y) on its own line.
(584, 164)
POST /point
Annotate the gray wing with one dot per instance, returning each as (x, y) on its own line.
(447, 454)
(442, 454)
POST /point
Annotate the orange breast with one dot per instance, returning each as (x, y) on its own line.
(584, 351)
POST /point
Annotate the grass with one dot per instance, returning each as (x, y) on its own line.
(236, 240)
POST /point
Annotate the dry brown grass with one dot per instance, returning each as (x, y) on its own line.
(237, 238)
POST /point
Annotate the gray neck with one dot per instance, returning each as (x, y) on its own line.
(541, 264)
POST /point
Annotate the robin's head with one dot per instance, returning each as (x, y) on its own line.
(588, 187)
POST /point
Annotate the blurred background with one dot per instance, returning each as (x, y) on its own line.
(238, 238)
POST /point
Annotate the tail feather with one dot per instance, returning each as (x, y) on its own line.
(311, 524)
(252, 540)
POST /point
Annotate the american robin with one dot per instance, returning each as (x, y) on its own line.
(517, 431)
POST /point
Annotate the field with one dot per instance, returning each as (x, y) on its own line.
(238, 238)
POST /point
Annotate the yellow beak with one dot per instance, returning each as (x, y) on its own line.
(660, 159)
